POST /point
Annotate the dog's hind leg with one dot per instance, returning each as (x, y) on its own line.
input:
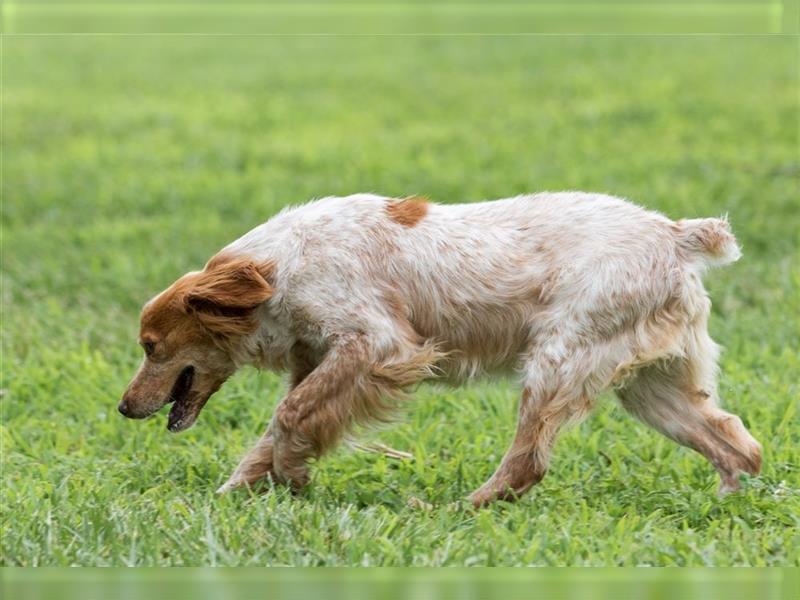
(525, 462)
(557, 391)
(679, 399)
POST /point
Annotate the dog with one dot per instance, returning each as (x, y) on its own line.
(361, 297)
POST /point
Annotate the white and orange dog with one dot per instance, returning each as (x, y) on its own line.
(363, 296)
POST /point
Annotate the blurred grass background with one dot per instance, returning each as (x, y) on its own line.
(403, 584)
(405, 16)
(130, 159)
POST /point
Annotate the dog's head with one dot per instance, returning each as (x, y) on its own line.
(188, 333)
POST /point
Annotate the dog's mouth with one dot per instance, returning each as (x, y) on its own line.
(186, 403)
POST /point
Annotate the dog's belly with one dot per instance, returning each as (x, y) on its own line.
(477, 339)
(478, 302)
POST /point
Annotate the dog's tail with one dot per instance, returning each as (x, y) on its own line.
(708, 242)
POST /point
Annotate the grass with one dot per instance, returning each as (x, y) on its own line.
(129, 160)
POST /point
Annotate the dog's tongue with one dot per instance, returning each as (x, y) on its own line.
(184, 412)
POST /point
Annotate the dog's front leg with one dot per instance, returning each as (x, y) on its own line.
(256, 465)
(315, 414)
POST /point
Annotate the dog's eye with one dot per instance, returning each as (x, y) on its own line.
(149, 347)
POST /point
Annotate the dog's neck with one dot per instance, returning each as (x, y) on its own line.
(268, 346)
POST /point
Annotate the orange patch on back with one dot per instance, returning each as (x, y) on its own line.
(408, 211)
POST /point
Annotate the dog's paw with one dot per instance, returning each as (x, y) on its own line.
(230, 485)
(261, 485)
(296, 476)
(225, 488)
(728, 485)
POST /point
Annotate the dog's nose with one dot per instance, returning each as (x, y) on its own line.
(122, 407)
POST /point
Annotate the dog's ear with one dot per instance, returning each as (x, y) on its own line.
(225, 295)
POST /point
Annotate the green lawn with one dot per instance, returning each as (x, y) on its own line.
(130, 160)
